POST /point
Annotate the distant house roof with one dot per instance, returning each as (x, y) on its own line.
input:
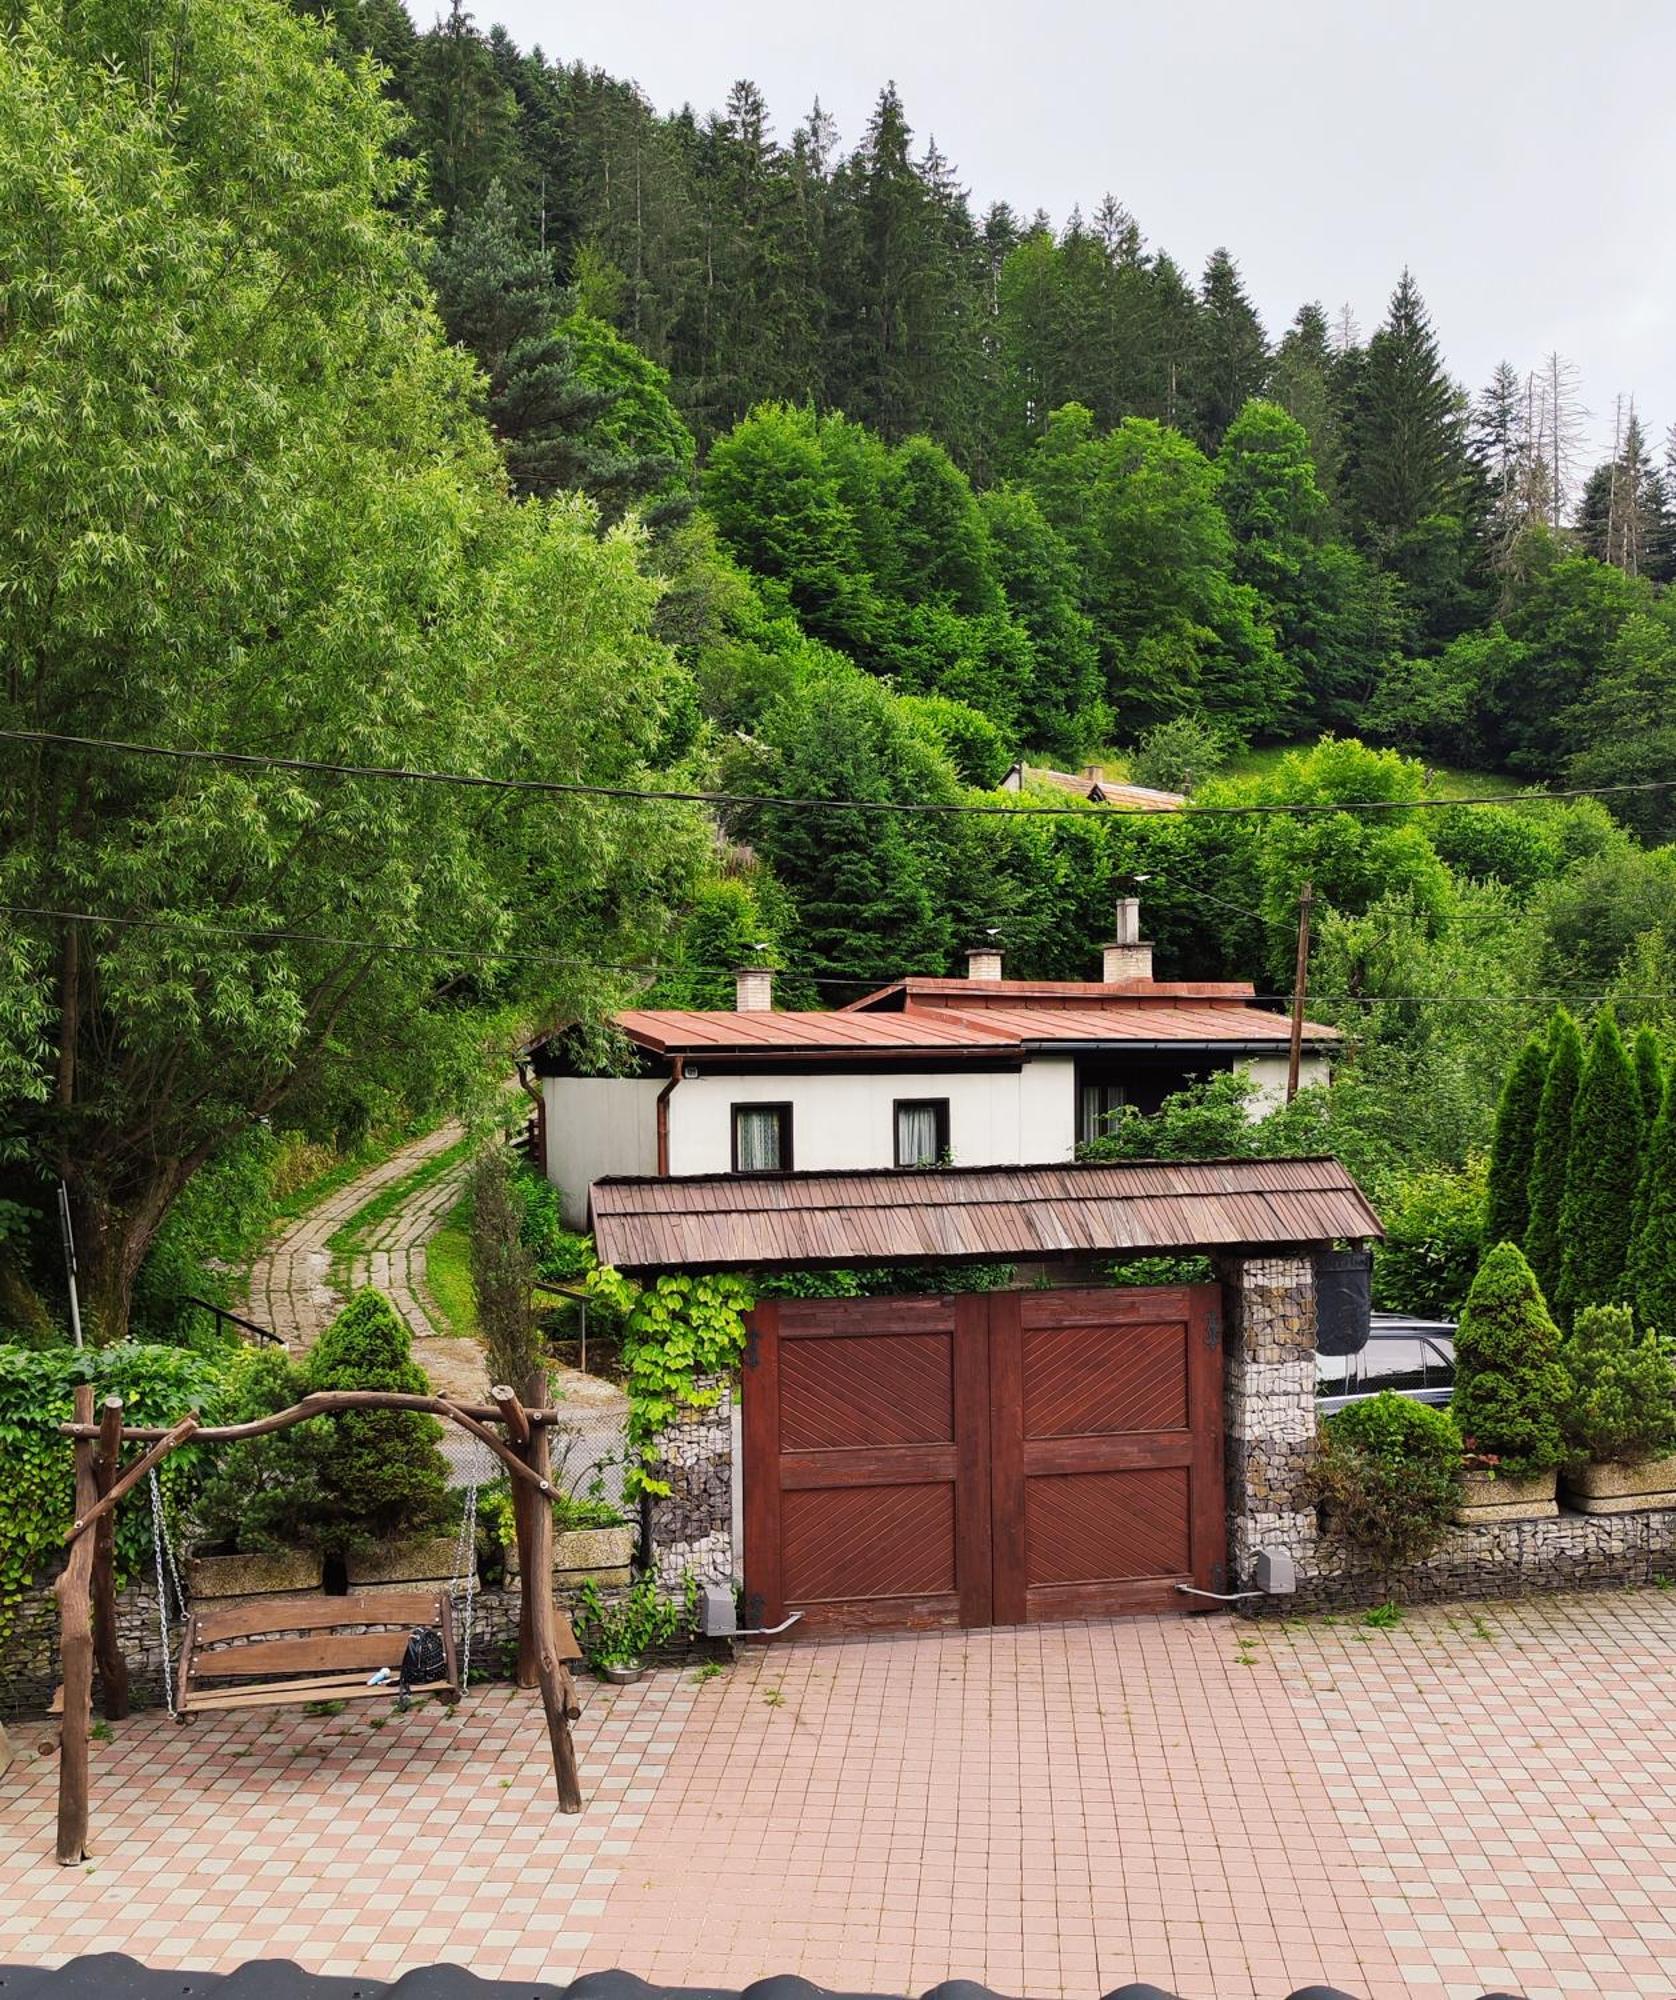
(1093, 784)
(1106, 1015)
(719, 1221)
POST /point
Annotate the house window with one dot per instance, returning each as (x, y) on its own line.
(762, 1138)
(922, 1131)
(1100, 1103)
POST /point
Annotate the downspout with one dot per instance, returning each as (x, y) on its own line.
(677, 1070)
(537, 1097)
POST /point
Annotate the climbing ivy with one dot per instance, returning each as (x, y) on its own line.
(676, 1332)
(37, 1394)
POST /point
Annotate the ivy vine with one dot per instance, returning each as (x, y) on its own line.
(677, 1332)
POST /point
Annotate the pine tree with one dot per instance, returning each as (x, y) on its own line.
(1602, 1170)
(1552, 1149)
(1510, 1387)
(1233, 351)
(1507, 1204)
(1652, 1277)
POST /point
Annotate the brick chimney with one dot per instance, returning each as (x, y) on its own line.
(1129, 955)
(753, 987)
(984, 963)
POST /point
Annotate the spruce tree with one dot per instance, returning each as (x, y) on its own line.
(1408, 430)
(1510, 1387)
(1602, 1169)
(1652, 1275)
(1233, 353)
(1507, 1204)
(1552, 1149)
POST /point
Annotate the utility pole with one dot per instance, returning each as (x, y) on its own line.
(69, 1236)
(1300, 987)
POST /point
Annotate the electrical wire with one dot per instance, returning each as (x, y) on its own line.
(634, 794)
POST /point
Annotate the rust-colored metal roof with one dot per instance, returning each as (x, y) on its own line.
(721, 1220)
(973, 994)
(987, 1030)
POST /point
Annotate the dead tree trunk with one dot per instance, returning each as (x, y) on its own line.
(75, 1615)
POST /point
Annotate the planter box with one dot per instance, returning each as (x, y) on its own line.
(428, 1561)
(1486, 1498)
(251, 1576)
(582, 1555)
(1611, 1488)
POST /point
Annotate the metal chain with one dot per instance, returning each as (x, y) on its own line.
(465, 1569)
(162, 1590)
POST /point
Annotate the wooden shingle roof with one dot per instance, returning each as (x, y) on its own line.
(717, 1221)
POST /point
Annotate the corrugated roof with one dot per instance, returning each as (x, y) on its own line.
(988, 1029)
(719, 1220)
(1099, 790)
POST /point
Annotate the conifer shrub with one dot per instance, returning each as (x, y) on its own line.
(263, 1495)
(1511, 1388)
(1387, 1478)
(1602, 1171)
(1551, 1151)
(1652, 1268)
(1623, 1405)
(1507, 1199)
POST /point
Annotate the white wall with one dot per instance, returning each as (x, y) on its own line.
(848, 1120)
(598, 1125)
(1269, 1074)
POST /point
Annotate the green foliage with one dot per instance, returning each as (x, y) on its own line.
(382, 1475)
(502, 1272)
(1507, 1196)
(158, 1385)
(560, 1255)
(1175, 756)
(1652, 1272)
(1623, 1405)
(1511, 1388)
(965, 736)
(1603, 1171)
(1551, 1151)
(1434, 1236)
(1647, 1054)
(264, 1495)
(1387, 1476)
(621, 1633)
(680, 1335)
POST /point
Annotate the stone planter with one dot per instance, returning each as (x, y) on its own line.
(1487, 1498)
(1611, 1488)
(251, 1576)
(582, 1555)
(430, 1560)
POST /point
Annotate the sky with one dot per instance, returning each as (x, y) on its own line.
(1519, 155)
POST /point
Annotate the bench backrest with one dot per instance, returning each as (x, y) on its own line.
(305, 1635)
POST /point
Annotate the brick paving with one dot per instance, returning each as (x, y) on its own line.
(1481, 1798)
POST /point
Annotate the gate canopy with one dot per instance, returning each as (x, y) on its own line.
(718, 1221)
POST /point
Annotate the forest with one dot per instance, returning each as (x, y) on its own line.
(389, 398)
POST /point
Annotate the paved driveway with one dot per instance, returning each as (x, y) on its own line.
(1479, 1798)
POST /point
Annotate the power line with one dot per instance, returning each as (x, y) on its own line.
(451, 953)
(634, 794)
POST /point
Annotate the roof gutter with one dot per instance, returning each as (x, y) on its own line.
(677, 1070)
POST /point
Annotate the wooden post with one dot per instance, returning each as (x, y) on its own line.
(75, 1645)
(525, 1506)
(1300, 987)
(558, 1690)
(107, 1650)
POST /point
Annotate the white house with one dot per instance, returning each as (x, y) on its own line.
(980, 1071)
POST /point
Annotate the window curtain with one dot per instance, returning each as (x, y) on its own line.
(916, 1135)
(758, 1140)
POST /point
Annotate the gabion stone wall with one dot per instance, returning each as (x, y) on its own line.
(1268, 1340)
(29, 1669)
(692, 1527)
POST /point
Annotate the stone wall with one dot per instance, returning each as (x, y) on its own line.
(1268, 1337)
(692, 1526)
(29, 1649)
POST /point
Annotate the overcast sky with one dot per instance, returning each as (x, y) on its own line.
(1520, 155)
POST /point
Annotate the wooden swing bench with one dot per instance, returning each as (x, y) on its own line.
(294, 1650)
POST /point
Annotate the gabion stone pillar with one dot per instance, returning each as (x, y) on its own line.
(1269, 1407)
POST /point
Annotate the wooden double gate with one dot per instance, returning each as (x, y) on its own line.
(982, 1459)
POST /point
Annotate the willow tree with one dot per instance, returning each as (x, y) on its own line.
(249, 507)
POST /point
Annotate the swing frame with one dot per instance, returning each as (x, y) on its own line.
(86, 1588)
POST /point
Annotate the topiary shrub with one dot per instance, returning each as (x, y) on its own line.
(1623, 1404)
(263, 1495)
(1511, 1389)
(381, 1475)
(1387, 1478)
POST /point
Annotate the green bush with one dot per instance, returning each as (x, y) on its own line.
(561, 1256)
(1175, 756)
(1387, 1477)
(382, 1475)
(1623, 1405)
(622, 1633)
(264, 1495)
(1511, 1389)
(1433, 1237)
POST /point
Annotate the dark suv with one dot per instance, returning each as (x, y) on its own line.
(1416, 1357)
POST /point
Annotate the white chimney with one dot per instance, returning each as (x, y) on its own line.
(753, 987)
(1129, 955)
(1095, 773)
(984, 963)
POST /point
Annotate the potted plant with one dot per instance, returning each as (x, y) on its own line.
(615, 1637)
(1387, 1478)
(1511, 1390)
(1622, 1421)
